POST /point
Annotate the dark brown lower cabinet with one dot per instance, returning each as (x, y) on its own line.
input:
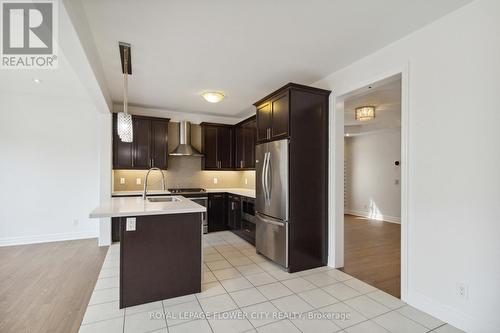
(234, 211)
(160, 259)
(115, 228)
(217, 212)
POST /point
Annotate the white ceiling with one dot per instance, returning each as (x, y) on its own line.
(385, 97)
(245, 48)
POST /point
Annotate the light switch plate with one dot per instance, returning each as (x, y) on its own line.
(130, 224)
(215, 180)
(138, 181)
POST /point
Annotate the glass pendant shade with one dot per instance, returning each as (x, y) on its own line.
(125, 131)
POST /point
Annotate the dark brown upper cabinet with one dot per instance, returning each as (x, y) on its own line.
(149, 147)
(245, 139)
(272, 116)
(217, 146)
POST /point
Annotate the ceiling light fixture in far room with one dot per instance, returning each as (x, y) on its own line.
(124, 119)
(364, 113)
(37, 81)
(213, 96)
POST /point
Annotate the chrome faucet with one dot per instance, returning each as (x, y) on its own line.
(163, 183)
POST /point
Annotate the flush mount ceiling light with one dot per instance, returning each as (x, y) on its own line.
(124, 119)
(213, 96)
(364, 113)
(37, 80)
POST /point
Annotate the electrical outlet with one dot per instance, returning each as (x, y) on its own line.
(75, 222)
(246, 181)
(462, 290)
(216, 180)
(130, 224)
(122, 180)
(138, 181)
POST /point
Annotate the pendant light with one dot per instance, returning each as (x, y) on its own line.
(124, 119)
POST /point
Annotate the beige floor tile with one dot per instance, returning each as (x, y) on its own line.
(211, 289)
(342, 315)
(274, 290)
(320, 279)
(250, 269)
(341, 291)
(195, 326)
(298, 285)
(318, 298)
(182, 312)
(261, 314)
(292, 303)
(236, 284)
(220, 303)
(230, 322)
(360, 286)
(283, 326)
(395, 322)
(367, 327)
(219, 264)
(102, 311)
(114, 325)
(367, 306)
(105, 296)
(260, 279)
(312, 322)
(386, 299)
(226, 273)
(247, 297)
(142, 322)
(420, 317)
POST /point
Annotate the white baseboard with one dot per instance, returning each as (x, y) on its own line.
(452, 316)
(8, 241)
(369, 215)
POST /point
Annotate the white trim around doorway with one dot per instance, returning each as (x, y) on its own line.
(336, 172)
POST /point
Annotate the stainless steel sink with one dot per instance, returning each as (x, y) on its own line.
(163, 199)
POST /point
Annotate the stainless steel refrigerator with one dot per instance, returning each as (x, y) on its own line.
(272, 197)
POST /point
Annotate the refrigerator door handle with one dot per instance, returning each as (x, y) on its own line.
(268, 177)
(263, 178)
(266, 220)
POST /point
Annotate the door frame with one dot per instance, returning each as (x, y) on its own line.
(336, 171)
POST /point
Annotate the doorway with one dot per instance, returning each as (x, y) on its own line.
(369, 183)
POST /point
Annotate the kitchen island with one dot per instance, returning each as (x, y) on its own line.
(160, 247)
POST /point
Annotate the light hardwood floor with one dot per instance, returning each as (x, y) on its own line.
(372, 252)
(46, 287)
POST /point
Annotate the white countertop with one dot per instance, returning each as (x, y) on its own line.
(130, 193)
(238, 191)
(137, 206)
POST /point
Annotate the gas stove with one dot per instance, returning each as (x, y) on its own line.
(186, 190)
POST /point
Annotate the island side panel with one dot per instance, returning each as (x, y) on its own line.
(161, 259)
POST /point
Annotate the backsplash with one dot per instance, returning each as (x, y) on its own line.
(183, 172)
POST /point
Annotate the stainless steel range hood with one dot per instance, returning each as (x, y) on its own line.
(184, 148)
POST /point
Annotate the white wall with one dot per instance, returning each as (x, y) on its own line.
(371, 175)
(49, 170)
(454, 183)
